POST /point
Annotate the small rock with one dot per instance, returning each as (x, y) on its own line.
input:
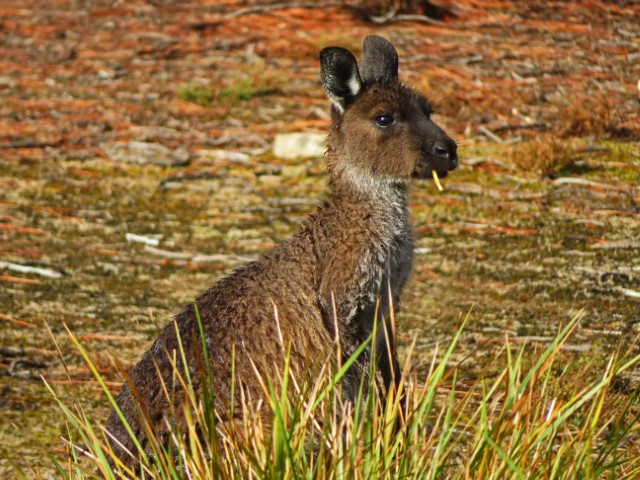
(224, 155)
(144, 153)
(299, 145)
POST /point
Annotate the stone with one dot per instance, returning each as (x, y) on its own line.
(299, 145)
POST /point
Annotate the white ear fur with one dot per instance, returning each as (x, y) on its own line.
(340, 75)
(354, 84)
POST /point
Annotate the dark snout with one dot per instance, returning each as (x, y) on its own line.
(445, 153)
(439, 152)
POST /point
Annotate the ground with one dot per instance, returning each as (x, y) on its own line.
(539, 222)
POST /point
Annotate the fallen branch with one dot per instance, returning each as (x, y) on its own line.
(280, 6)
(197, 258)
(188, 177)
(29, 144)
(521, 126)
(26, 364)
(4, 350)
(390, 17)
(617, 244)
(628, 292)
(167, 253)
(403, 17)
(490, 134)
(585, 183)
(474, 189)
(228, 258)
(11, 278)
(132, 237)
(44, 272)
(15, 228)
(10, 351)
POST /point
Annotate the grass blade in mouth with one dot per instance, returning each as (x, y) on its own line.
(437, 180)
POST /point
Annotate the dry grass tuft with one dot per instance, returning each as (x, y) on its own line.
(584, 115)
(545, 155)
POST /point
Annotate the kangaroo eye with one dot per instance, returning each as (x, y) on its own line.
(385, 121)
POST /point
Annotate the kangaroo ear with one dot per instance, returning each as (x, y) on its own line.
(379, 62)
(340, 76)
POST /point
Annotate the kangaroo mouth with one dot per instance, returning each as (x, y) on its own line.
(437, 166)
(426, 172)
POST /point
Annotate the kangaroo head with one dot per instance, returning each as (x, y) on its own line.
(381, 128)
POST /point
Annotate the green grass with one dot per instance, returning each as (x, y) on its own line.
(254, 80)
(529, 418)
(199, 94)
(243, 89)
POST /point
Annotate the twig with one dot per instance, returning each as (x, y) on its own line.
(279, 6)
(168, 254)
(132, 237)
(473, 189)
(10, 351)
(523, 126)
(583, 347)
(17, 322)
(595, 331)
(389, 17)
(22, 362)
(577, 253)
(225, 258)
(628, 292)
(44, 272)
(188, 177)
(585, 183)
(15, 228)
(11, 278)
(617, 244)
(29, 144)
(197, 258)
(533, 338)
(490, 134)
(409, 17)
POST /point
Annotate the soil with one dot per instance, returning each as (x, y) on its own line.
(122, 120)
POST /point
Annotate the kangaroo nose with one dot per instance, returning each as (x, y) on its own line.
(446, 151)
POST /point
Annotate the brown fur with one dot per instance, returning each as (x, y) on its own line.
(357, 243)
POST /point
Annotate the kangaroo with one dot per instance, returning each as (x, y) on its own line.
(345, 269)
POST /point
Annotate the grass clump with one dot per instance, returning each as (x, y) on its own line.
(526, 420)
(256, 79)
(202, 95)
(243, 89)
(586, 115)
(545, 155)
